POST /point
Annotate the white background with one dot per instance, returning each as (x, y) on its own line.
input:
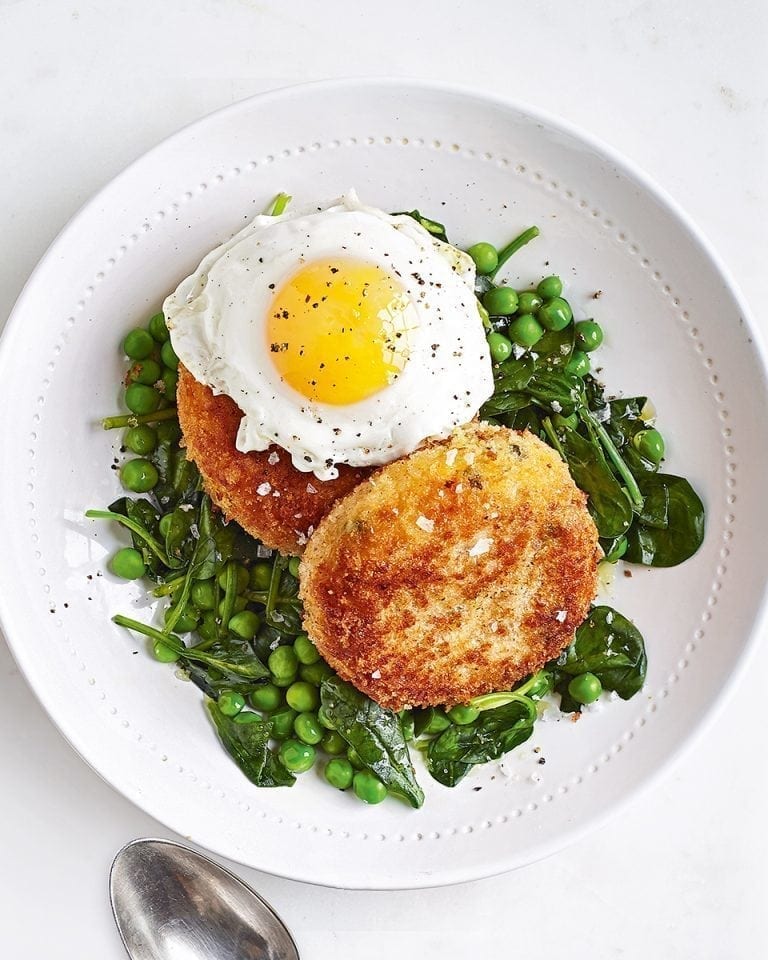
(682, 88)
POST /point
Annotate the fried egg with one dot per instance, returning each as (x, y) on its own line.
(345, 335)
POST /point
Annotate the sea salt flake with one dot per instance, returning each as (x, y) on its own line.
(275, 493)
(195, 531)
(262, 552)
(494, 626)
(561, 615)
(263, 489)
(186, 507)
(273, 458)
(482, 546)
(450, 457)
(469, 458)
(557, 407)
(459, 487)
(376, 675)
(425, 524)
(311, 489)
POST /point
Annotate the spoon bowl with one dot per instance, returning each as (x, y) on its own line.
(172, 903)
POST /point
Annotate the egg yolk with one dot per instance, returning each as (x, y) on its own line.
(338, 330)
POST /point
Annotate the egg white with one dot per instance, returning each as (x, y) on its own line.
(217, 320)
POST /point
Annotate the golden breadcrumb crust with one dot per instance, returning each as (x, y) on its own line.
(283, 515)
(452, 572)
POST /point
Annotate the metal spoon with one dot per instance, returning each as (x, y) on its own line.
(171, 903)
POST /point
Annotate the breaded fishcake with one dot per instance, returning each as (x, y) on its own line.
(263, 492)
(452, 572)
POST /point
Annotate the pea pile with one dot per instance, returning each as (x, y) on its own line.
(230, 616)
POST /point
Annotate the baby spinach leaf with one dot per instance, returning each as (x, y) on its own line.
(609, 646)
(556, 390)
(555, 348)
(504, 403)
(608, 503)
(375, 733)
(248, 745)
(431, 226)
(494, 733)
(234, 656)
(683, 534)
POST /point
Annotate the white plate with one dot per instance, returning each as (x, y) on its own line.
(676, 329)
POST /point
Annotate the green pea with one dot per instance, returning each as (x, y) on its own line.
(296, 756)
(138, 344)
(283, 662)
(168, 431)
(339, 773)
(486, 257)
(139, 475)
(307, 728)
(128, 564)
(525, 330)
(164, 652)
(170, 382)
(579, 364)
(146, 371)
(284, 682)
(302, 696)
(306, 651)
(293, 566)
(585, 688)
(618, 550)
(141, 439)
(484, 317)
(266, 697)
(368, 787)
(188, 620)
(241, 574)
(245, 624)
(528, 302)
(141, 399)
(315, 672)
(500, 347)
(260, 576)
(168, 356)
(462, 715)
(649, 444)
(500, 301)
(549, 288)
(158, 329)
(355, 759)
(208, 628)
(333, 743)
(555, 314)
(589, 335)
(203, 594)
(231, 703)
(282, 722)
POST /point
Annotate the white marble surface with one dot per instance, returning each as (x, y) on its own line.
(681, 88)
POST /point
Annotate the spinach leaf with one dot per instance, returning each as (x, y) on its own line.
(555, 348)
(376, 734)
(179, 477)
(609, 646)
(451, 754)
(608, 503)
(514, 375)
(231, 657)
(556, 390)
(248, 745)
(657, 546)
(504, 403)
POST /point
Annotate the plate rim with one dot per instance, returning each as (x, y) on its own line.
(449, 874)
